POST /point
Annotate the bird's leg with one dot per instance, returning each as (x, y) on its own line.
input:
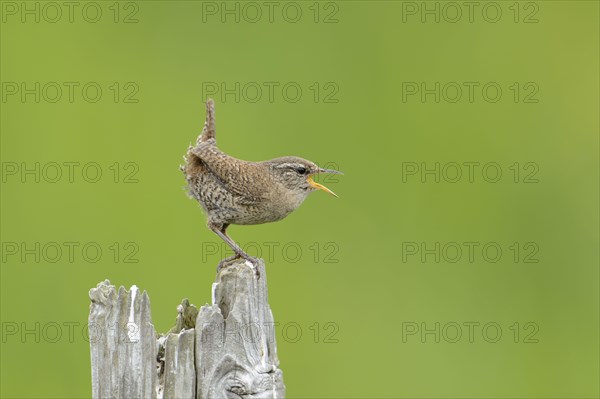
(220, 230)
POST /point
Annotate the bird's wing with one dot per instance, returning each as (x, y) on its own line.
(236, 176)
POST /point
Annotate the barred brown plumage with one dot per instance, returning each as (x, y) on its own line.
(234, 191)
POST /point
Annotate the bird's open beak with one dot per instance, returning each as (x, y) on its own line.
(318, 186)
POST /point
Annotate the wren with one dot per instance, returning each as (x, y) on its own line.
(233, 191)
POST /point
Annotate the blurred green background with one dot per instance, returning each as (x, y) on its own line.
(352, 275)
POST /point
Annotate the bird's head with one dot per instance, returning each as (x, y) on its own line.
(296, 175)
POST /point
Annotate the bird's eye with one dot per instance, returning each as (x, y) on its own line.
(301, 170)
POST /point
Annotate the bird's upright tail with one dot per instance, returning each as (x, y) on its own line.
(192, 163)
(208, 132)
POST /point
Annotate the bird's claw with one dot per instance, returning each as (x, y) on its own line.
(254, 262)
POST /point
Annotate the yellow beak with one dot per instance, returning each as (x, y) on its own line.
(316, 185)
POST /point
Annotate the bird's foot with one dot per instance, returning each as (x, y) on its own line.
(253, 264)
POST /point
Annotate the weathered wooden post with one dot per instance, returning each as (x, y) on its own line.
(122, 343)
(226, 349)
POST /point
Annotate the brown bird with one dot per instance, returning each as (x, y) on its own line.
(233, 191)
